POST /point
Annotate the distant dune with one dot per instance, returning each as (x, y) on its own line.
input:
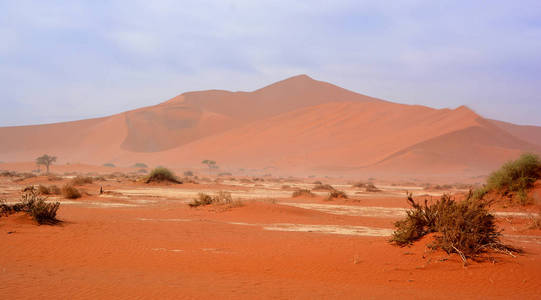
(298, 126)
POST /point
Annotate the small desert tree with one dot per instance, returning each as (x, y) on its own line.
(210, 163)
(46, 160)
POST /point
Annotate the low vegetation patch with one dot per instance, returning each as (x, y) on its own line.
(222, 198)
(462, 227)
(140, 165)
(82, 180)
(48, 190)
(514, 179)
(70, 192)
(359, 184)
(302, 193)
(161, 174)
(52, 177)
(371, 188)
(110, 165)
(33, 204)
(336, 194)
(535, 222)
(323, 187)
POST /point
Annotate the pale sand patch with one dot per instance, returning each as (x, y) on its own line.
(381, 212)
(165, 220)
(165, 249)
(192, 193)
(349, 210)
(113, 196)
(325, 229)
(331, 229)
(514, 214)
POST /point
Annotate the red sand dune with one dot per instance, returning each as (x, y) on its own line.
(298, 125)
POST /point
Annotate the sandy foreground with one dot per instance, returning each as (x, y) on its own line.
(141, 241)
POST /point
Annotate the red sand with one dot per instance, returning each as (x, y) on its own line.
(169, 250)
(106, 253)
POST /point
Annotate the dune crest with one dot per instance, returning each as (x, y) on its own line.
(295, 125)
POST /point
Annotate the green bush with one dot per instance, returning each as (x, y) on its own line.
(466, 227)
(161, 174)
(140, 165)
(109, 165)
(514, 178)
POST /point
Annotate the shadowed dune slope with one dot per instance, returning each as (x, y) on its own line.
(530, 134)
(296, 125)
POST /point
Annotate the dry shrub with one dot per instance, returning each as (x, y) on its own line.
(43, 212)
(70, 192)
(359, 184)
(336, 194)
(48, 190)
(34, 205)
(52, 177)
(189, 180)
(23, 176)
(54, 190)
(222, 198)
(465, 227)
(370, 187)
(302, 193)
(161, 174)
(82, 180)
(535, 222)
(323, 187)
(8, 173)
(286, 187)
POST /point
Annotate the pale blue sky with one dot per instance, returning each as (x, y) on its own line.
(67, 60)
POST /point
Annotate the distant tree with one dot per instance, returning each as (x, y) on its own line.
(46, 160)
(211, 164)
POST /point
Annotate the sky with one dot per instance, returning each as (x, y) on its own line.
(69, 60)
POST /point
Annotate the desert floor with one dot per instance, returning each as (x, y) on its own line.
(144, 241)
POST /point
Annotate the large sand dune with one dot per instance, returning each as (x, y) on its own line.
(298, 125)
